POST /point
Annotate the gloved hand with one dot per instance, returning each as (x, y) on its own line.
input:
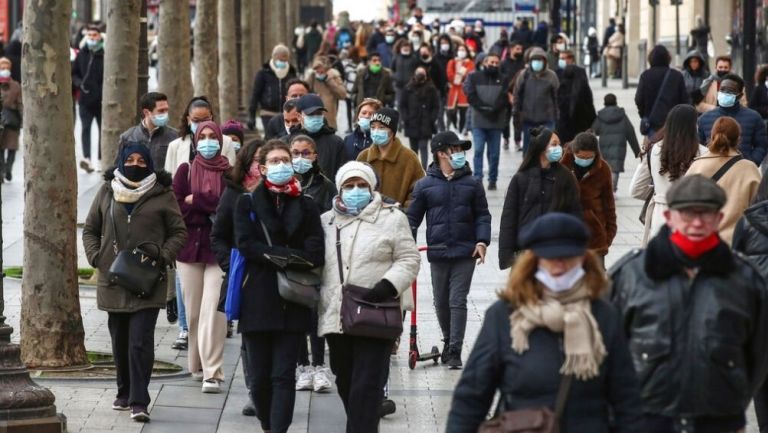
(252, 123)
(382, 291)
(171, 311)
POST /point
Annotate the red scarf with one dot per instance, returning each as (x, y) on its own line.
(291, 189)
(694, 249)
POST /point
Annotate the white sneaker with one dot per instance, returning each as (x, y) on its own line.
(320, 381)
(305, 380)
(211, 386)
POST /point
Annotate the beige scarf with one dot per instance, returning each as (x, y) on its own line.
(568, 312)
(127, 191)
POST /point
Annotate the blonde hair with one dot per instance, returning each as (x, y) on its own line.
(6, 60)
(523, 289)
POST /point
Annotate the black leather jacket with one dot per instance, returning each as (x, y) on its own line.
(699, 345)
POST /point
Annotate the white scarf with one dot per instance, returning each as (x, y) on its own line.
(281, 73)
(128, 191)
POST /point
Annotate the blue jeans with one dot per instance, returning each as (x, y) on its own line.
(180, 305)
(527, 126)
(481, 136)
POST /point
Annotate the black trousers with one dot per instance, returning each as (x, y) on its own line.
(316, 343)
(133, 346)
(271, 358)
(361, 366)
(87, 114)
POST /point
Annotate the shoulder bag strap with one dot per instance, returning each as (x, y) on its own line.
(338, 254)
(112, 224)
(253, 219)
(724, 169)
(562, 396)
(661, 92)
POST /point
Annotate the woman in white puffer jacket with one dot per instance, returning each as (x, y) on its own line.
(378, 251)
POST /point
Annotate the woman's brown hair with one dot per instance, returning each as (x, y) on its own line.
(725, 136)
(271, 145)
(523, 288)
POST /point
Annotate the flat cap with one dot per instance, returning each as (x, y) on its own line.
(695, 191)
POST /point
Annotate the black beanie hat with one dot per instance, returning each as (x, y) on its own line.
(388, 117)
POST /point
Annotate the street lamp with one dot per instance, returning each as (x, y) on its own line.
(25, 406)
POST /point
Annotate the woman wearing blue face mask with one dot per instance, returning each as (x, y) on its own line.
(593, 174)
(276, 227)
(198, 186)
(541, 185)
(378, 252)
(360, 138)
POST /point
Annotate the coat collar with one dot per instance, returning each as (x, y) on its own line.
(374, 153)
(264, 207)
(663, 262)
(369, 214)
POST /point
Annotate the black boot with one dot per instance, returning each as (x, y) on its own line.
(454, 358)
(388, 407)
(444, 353)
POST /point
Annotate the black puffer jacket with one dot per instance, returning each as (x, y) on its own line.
(532, 380)
(269, 90)
(530, 194)
(751, 236)
(700, 345)
(419, 107)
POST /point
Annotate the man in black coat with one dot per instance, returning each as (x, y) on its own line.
(650, 86)
(278, 126)
(153, 130)
(695, 316)
(87, 79)
(330, 147)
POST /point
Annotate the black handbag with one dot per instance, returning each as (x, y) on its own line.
(299, 287)
(136, 270)
(366, 319)
(11, 119)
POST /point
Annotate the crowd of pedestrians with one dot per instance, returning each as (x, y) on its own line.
(339, 212)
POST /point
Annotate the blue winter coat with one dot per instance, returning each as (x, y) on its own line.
(754, 141)
(457, 213)
(356, 142)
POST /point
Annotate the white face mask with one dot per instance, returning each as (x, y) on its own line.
(563, 282)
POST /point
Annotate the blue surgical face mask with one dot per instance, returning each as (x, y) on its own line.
(458, 160)
(537, 65)
(193, 127)
(726, 99)
(389, 38)
(301, 165)
(554, 153)
(5, 73)
(91, 43)
(313, 123)
(583, 163)
(364, 123)
(279, 64)
(236, 145)
(279, 174)
(380, 137)
(356, 199)
(321, 77)
(160, 119)
(208, 147)
(561, 63)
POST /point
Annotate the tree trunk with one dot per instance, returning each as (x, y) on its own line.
(274, 13)
(206, 53)
(121, 57)
(247, 51)
(227, 61)
(52, 332)
(173, 49)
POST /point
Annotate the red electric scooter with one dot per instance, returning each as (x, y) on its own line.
(413, 353)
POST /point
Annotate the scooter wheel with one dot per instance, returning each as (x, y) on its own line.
(435, 354)
(412, 357)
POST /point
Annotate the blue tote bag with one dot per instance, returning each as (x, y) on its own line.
(234, 284)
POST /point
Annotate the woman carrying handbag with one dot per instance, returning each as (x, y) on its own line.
(135, 208)
(370, 259)
(550, 331)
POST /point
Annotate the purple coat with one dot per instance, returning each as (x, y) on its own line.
(198, 218)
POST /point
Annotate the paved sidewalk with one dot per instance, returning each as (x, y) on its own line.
(422, 395)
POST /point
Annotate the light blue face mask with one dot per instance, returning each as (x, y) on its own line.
(561, 63)
(91, 43)
(313, 123)
(537, 65)
(208, 147)
(160, 120)
(458, 160)
(726, 99)
(193, 127)
(236, 145)
(380, 137)
(356, 199)
(583, 163)
(279, 64)
(554, 153)
(321, 77)
(301, 165)
(279, 174)
(364, 123)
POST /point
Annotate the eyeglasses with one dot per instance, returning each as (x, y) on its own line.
(278, 160)
(706, 216)
(303, 153)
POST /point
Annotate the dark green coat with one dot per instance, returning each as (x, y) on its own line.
(155, 218)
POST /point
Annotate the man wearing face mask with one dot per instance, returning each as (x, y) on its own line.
(330, 147)
(486, 91)
(327, 83)
(403, 66)
(386, 48)
(397, 166)
(535, 95)
(753, 142)
(374, 82)
(558, 44)
(711, 86)
(88, 78)
(510, 67)
(437, 73)
(153, 129)
(695, 316)
(279, 126)
(459, 232)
